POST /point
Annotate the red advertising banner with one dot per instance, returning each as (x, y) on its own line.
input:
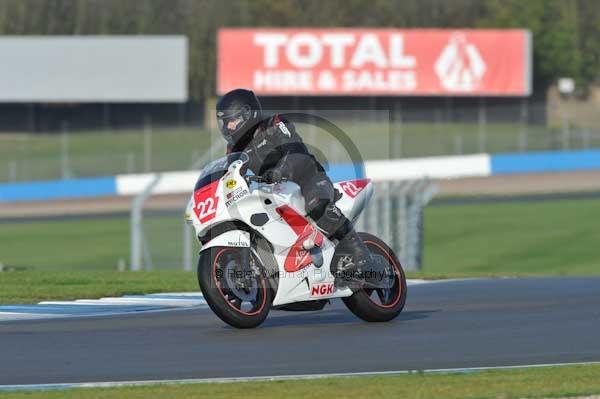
(420, 62)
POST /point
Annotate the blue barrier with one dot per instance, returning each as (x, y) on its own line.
(535, 162)
(342, 172)
(551, 161)
(45, 190)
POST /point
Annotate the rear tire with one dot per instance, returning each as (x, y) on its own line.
(379, 305)
(238, 307)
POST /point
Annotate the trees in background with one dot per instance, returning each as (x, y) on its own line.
(566, 33)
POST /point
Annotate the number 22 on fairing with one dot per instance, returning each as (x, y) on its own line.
(206, 202)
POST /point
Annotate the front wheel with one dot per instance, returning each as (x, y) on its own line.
(238, 294)
(380, 304)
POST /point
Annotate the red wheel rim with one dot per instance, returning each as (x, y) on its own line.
(262, 291)
(397, 280)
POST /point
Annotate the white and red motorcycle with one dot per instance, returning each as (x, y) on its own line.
(259, 250)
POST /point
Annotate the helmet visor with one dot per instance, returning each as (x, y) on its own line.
(230, 124)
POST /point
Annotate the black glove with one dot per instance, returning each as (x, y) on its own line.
(273, 176)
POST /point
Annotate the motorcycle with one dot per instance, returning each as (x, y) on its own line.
(259, 250)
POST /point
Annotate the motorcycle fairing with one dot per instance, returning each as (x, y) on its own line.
(231, 199)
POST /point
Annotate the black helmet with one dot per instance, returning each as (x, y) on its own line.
(237, 113)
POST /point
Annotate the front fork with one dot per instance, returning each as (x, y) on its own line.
(244, 272)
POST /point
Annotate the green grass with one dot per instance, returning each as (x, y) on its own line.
(87, 244)
(37, 156)
(549, 237)
(566, 381)
(19, 287)
(83, 244)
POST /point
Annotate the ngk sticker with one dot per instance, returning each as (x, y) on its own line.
(322, 289)
(460, 66)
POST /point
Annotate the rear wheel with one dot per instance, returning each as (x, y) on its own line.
(238, 294)
(380, 304)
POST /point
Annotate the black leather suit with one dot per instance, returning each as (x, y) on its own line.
(274, 145)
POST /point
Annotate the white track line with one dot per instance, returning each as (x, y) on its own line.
(127, 302)
(121, 305)
(103, 307)
(115, 384)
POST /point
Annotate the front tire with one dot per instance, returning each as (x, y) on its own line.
(237, 294)
(379, 305)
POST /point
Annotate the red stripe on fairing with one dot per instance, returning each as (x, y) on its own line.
(296, 221)
(298, 258)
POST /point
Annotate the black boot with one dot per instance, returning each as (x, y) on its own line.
(361, 257)
(333, 222)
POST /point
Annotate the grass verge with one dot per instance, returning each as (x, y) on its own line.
(556, 237)
(565, 381)
(22, 287)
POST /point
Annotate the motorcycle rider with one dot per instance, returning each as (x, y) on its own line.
(275, 151)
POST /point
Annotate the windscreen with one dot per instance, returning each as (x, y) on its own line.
(217, 168)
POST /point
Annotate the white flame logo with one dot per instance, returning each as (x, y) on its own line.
(460, 66)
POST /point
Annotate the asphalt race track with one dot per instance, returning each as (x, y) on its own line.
(469, 323)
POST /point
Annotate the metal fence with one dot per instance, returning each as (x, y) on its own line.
(156, 233)
(64, 156)
(395, 214)
(378, 134)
